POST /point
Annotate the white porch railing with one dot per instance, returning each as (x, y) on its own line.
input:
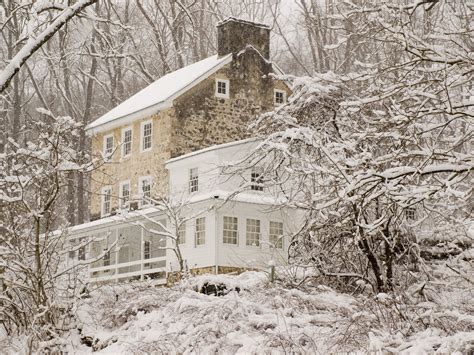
(115, 268)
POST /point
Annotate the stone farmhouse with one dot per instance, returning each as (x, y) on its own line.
(168, 141)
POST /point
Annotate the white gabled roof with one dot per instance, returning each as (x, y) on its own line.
(160, 94)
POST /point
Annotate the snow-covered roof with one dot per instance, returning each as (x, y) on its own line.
(112, 220)
(247, 22)
(160, 94)
(211, 148)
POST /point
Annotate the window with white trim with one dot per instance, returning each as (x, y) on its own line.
(279, 97)
(124, 194)
(256, 179)
(410, 213)
(126, 142)
(230, 230)
(144, 186)
(107, 258)
(276, 234)
(146, 130)
(81, 253)
(253, 232)
(146, 249)
(108, 145)
(193, 180)
(222, 88)
(106, 200)
(182, 233)
(200, 231)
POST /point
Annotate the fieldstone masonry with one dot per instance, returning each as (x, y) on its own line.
(199, 119)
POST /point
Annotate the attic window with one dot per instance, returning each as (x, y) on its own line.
(222, 88)
(279, 97)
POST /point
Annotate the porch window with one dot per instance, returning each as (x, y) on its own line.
(146, 249)
(107, 258)
(276, 234)
(81, 252)
(253, 232)
(230, 230)
(200, 231)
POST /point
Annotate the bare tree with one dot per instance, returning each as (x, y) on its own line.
(32, 183)
(377, 155)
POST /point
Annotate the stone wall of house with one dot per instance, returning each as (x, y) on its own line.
(203, 120)
(138, 164)
(198, 119)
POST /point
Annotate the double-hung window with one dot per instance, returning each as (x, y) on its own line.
(126, 142)
(193, 180)
(230, 230)
(124, 193)
(145, 191)
(256, 179)
(410, 213)
(146, 130)
(106, 200)
(222, 88)
(253, 232)
(107, 258)
(146, 249)
(279, 97)
(182, 233)
(200, 231)
(108, 145)
(276, 234)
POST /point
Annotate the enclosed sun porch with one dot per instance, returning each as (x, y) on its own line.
(120, 249)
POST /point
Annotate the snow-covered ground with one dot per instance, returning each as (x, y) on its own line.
(263, 318)
(255, 316)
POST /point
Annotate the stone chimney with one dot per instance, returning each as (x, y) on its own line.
(234, 34)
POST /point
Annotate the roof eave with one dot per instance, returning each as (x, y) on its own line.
(127, 119)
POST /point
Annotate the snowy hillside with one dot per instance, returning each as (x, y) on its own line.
(258, 317)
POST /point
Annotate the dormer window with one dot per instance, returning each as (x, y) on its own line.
(108, 145)
(222, 88)
(279, 97)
